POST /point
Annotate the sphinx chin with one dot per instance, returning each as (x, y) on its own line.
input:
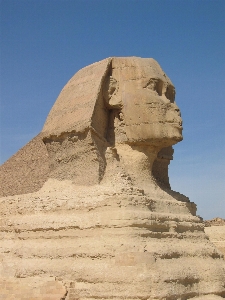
(174, 134)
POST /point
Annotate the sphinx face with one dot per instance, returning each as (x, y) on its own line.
(151, 117)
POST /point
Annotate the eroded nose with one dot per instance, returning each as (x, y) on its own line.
(176, 108)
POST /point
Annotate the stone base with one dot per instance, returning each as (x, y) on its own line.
(107, 243)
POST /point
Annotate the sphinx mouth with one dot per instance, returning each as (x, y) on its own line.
(178, 125)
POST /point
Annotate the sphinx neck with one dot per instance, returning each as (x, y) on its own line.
(137, 162)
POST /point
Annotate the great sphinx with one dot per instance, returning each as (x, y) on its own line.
(113, 227)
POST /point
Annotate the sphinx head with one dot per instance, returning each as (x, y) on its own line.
(143, 97)
(115, 102)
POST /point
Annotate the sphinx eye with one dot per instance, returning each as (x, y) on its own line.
(155, 84)
(170, 93)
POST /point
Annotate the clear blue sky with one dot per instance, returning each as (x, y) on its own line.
(44, 42)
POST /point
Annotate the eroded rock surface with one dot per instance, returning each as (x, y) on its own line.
(104, 224)
(35, 288)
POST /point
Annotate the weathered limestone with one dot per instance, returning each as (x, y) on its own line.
(36, 288)
(105, 224)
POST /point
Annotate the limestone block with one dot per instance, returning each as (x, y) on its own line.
(32, 289)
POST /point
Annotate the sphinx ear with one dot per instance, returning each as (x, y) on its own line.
(111, 93)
